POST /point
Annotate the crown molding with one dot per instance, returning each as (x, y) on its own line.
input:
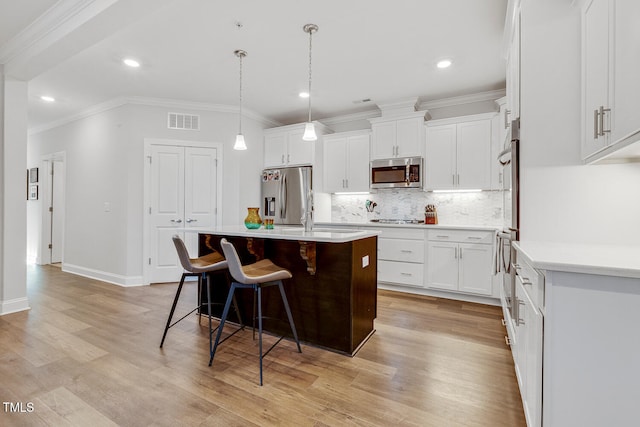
(152, 102)
(49, 27)
(346, 118)
(491, 95)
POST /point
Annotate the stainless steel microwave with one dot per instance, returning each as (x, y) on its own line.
(403, 172)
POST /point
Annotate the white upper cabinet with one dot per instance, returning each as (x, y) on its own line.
(611, 89)
(397, 137)
(501, 135)
(284, 146)
(346, 162)
(458, 153)
(512, 109)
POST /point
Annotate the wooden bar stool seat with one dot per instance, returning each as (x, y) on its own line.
(255, 276)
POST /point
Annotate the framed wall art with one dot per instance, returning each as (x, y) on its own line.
(33, 175)
(33, 192)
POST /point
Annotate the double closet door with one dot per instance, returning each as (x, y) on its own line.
(183, 196)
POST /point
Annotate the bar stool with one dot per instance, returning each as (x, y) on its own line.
(255, 276)
(198, 267)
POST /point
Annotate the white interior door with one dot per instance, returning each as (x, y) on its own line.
(183, 194)
(57, 211)
(200, 192)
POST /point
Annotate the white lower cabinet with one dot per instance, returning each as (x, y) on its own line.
(527, 345)
(460, 260)
(401, 256)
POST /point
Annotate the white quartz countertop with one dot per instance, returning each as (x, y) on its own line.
(607, 260)
(319, 234)
(421, 226)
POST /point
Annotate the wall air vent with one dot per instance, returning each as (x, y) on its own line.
(184, 121)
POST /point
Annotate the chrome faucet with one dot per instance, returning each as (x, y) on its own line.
(307, 212)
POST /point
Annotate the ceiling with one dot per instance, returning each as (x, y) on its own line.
(379, 50)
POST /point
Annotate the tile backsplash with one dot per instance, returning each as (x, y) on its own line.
(481, 208)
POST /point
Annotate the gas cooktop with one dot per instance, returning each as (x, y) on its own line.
(398, 221)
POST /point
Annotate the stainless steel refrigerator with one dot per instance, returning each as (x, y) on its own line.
(287, 195)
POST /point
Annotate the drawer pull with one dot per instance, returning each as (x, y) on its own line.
(442, 237)
(526, 281)
(406, 274)
(504, 322)
(507, 341)
(406, 251)
(474, 238)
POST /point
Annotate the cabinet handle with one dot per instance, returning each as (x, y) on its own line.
(602, 111)
(406, 274)
(460, 253)
(282, 159)
(288, 158)
(455, 253)
(405, 251)
(595, 124)
(474, 238)
(504, 322)
(453, 176)
(526, 281)
(440, 236)
(507, 113)
(346, 185)
(458, 179)
(507, 341)
(500, 177)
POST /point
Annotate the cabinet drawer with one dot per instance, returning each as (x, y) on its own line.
(533, 283)
(462, 236)
(401, 272)
(401, 250)
(401, 233)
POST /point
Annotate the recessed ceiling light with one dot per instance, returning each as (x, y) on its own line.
(303, 94)
(445, 63)
(46, 98)
(131, 63)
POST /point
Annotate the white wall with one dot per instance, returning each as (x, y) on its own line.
(13, 224)
(104, 163)
(561, 199)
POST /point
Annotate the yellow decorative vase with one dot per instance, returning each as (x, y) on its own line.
(253, 220)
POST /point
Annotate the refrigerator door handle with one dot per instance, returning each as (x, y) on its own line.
(283, 197)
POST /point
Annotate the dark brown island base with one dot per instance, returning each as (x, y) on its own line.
(333, 290)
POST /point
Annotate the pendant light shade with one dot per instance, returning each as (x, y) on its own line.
(309, 128)
(240, 144)
(309, 132)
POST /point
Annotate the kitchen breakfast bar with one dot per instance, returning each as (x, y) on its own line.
(332, 293)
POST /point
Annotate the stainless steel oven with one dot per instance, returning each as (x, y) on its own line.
(404, 172)
(509, 159)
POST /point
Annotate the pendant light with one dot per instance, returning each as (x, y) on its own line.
(309, 128)
(240, 144)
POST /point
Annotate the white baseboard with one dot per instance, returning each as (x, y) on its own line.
(116, 279)
(440, 294)
(14, 305)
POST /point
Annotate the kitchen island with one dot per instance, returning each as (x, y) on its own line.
(332, 293)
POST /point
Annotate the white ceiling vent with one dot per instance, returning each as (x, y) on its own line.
(184, 121)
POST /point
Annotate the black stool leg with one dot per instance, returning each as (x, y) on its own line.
(199, 300)
(223, 319)
(205, 278)
(173, 308)
(259, 290)
(288, 310)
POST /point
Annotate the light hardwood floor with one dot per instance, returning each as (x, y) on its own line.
(87, 354)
